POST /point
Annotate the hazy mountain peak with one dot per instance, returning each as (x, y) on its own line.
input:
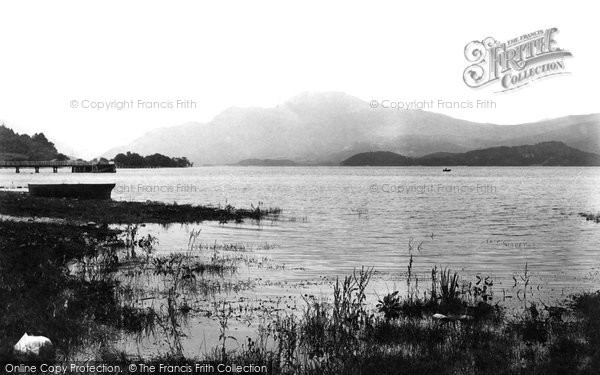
(313, 103)
(331, 126)
(313, 99)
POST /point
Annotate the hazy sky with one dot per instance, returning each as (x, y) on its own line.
(259, 53)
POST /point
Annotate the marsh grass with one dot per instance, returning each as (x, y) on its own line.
(229, 246)
(120, 212)
(78, 286)
(345, 337)
(590, 216)
(40, 294)
(85, 286)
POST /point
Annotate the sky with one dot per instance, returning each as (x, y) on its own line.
(59, 57)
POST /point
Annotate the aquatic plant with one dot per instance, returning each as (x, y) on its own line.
(448, 287)
(390, 305)
(338, 333)
(120, 212)
(223, 312)
(590, 216)
(194, 234)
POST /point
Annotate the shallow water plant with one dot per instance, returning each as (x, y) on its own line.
(390, 306)
(448, 287)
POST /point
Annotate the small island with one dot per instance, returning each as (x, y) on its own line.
(134, 160)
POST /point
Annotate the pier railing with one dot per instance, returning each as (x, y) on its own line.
(45, 163)
(77, 166)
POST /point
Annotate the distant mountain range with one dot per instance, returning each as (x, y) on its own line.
(326, 128)
(542, 154)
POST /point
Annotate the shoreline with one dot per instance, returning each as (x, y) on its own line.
(21, 204)
(90, 285)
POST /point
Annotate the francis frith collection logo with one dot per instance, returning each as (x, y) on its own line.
(514, 63)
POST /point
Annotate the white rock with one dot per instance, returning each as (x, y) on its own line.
(32, 344)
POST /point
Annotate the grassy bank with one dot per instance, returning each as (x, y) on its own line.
(38, 292)
(118, 212)
(403, 335)
(87, 286)
(84, 287)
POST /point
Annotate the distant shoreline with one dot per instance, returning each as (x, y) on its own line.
(151, 167)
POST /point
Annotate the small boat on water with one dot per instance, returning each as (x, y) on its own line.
(446, 170)
(81, 191)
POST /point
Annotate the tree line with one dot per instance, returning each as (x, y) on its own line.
(135, 160)
(15, 146)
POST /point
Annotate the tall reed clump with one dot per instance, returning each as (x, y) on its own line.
(448, 294)
(327, 335)
(344, 337)
(448, 287)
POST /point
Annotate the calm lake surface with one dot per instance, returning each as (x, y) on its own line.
(473, 219)
(486, 221)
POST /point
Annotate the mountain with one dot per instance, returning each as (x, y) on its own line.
(326, 128)
(267, 162)
(545, 154)
(15, 146)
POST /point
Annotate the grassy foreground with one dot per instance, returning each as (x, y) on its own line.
(66, 282)
(403, 337)
(118, 212)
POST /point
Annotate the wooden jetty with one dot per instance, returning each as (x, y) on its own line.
(77, 166)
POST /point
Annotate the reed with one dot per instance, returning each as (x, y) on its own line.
(77, 285)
